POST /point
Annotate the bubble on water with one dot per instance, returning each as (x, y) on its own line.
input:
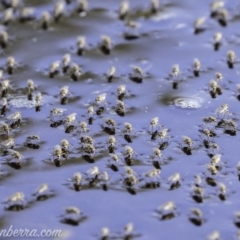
(187, 102)
(21, 101)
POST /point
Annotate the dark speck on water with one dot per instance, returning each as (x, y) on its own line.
(116, 59)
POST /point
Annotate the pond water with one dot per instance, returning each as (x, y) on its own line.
(180, 100)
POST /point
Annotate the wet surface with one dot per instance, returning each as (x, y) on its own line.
(180, 101)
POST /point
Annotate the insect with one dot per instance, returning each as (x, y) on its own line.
(154, 8)
(16, 159)
(111, 73)
(230, 127)
(196, 67)
(130, 180)
(100, 99)
(128, 129)
(90, 113)
(8, 16)
(88, 151)
(58, 10)
(214, 146)
(222, 191)
(77, 181)
(215, 235)
(57, 155)
(237, 219)
(54, 69)
(151, 178)
(64, 93)
(105, 234)
(38, 99)
(188, 142)
(4, 38)
(123, 9)
(128, 232)
(72, 216)
(209, 134)
(5, 87)
(31, 88)
(222, 110)
(82, 128)
(215, 88)
(217, 40)
(76, 72)
(213, 169)
(209, 120)
(15, 119)
(167, 210)
(11, 64)
(65, 148)
(215, 160)
(7, 144)
(45, 20)
(66, 61)
(87, 140)
(153, 126)
(3, 104)
(105, 45)
(196, 217)
(215, 7)
(26, 14)
(199, 25)
(238, 170)
(100, 102)
(33, 141)
(82, 6)
(121, 91)
(222, 17)
(157, 153)
(43, 192)
(120, 108)
(175, 71)
(174, 181)
(163, 134)
(56, 117)
(136, 75)
(81, 43)
(111, 144)
(231, 59)
(110, 126)
(16, 202)
(113, 162)
(197, 194)
(131, 30)
(198, 181)
(5, 127)
(69, 122)
(128, 155)
(104, 179)
(92, 175)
